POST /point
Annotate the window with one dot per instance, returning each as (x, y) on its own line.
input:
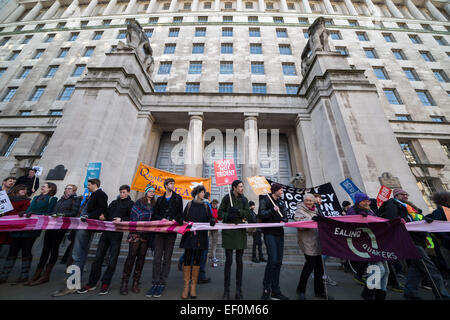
(193, 87)
(203, 19)
(51, 71)
(252, 19)
(97, 35)
(403, 117)
(342, 50)
(198, 48)
(427, 27)
(66, 94)
(166, 6)
(281, 33)
(73, 36)
(249, 5)
(227, 32)
(228, 5)
(278, 20)
(329, 22)
(388, 37)
(56, 112)
(25, 72)
(305, 34)
(362, 36)
(353, 23)
(106, 22)
(255, 48)
(177, 19)
(50, 38)
(438, 119)
(122, 34)
(207, 5)
(195, 67)
(303, 20)
(187, 6)
(38, 91)
(161, 87)
(411, 74)
(78, 70)
(409, 152)
(414, 38)
(226, 48)
(440, 75)
(153, 20)
(39, 27)
(9, 94)
(164, 67)
(2, 71)
(225, 87)
(285, 49)
(392, 96)
(173, 32)
(370, 53)
(38, 53)
(380, 73)
(84, 23)
(336, 35)
(257, 67)
(44, 145)
(18, 28)
(440, 40)
(269, 5)
(446, 146)
(9, 146)
(291, 6)
(426, 55)
(27, 39)
(291, 89)
(425, 97)
(200, 32)
(63, 52)
(226, 67)
(227, 19)
(169, 48)
(13, 55)
(4, 41)
(402, 25)
(289, 69)
(259, 88)
(254, 32)
(89, 51)
(398, 54)
(148, 33)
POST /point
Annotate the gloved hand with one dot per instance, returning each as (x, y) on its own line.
(428, 219)
(180, 221)
(20, 214)
(212, 222)
(315, 218)
(28, 214)
(284, 219)
(364, 214)
(83, 218)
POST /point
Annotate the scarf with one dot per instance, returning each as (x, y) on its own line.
(412, 212)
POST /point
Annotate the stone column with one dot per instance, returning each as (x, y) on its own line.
(239, 5)
(261, 5)
(33, 12)
(373, 9)
(434, 11)
(87, 12)
(173, 6)
(193, 161)
(328, 6)
(111, 6)
(350, 7)
(15, 15)
(73, 6)
(152, 6)
(283, 6)
(251, 164)
(393, 9)
(131, 7)
(194, 6)
(52, 10)
(414, 11)
(217, 5)
(447, 8)
(306, 6)
(311, 168)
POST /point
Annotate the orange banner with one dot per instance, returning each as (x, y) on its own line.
(183, 185)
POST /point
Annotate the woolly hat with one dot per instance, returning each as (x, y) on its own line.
(397, 191)
(275, 187)
(251, 203)
(359, 196)
(149, 187)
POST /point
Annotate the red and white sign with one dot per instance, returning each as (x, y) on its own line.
(383, 195)
(225, 172)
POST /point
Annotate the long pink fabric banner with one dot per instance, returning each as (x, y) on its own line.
(15, 223)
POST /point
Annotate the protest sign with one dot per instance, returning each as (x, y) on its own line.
(350, 188)
(5, 204)
(225, 172)
(383, 195)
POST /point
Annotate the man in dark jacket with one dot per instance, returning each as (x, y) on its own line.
(273, 210)
(170, 207)
(118, 210)
(400, 207)
(30, 180)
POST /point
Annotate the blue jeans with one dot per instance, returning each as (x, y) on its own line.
(275, 247)
(417, 271)
(81, 247)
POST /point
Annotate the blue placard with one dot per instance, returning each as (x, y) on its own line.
(350, 188)
(93, 172)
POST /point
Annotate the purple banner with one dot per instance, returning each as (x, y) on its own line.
(377, 241)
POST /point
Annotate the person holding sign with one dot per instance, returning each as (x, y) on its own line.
(272, 210)
(234, 209)
(30, 180)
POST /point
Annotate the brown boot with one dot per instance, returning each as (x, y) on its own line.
(186, 278)
(124, 287)
(45, 276)
(135, 288)
(195, 273)
(35, 277)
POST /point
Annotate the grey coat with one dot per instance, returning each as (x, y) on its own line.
(308, 239)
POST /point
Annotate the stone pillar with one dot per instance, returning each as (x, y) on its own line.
(350, 7)
(33, 12)
(414, 11)
(306, 6)
(239, 5)
(152, 6)
(217, 5)
(328, 6)
(311, 168)
(251, 164)
(373, 9)
(194, 6)
(173, 6)
(193, 161)
(393, 9)
(447, 8)
(434, 11)
(131, 7)
(283, 6)
(52, 10)
(87, 12)
(261, 5)
(110, 8)
(15, 15)
(73, 6)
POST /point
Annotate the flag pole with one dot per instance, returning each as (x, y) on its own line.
(432, 281)
(34, 181)
(274, 204)
(229, 192)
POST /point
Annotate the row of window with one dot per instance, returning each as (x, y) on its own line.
(78, 71)
(411, 74)
(11, 141)
(227, 87)
(407, 117)
(394, 98)
(50, 37)
(38, 91)
(62, 53)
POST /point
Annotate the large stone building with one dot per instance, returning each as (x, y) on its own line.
(68, 98)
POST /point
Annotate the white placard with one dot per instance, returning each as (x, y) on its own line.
(38, 170)
(5, 204)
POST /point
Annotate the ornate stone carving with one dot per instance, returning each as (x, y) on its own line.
(318, 41)
(298, 181)
(388, 180)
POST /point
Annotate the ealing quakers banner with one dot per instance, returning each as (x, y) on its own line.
(330, 204)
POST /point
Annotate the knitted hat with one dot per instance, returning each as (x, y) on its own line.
(397, 191)
(149, 187)
(275, 187)
(359, 196)
(251, 203)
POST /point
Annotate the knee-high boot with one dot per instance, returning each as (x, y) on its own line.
(226, 283)
(194, 279)
(186, 279)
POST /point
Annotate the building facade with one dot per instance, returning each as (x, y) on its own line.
(67, 98)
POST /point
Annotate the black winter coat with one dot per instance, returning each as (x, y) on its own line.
(69, 207)
(266, 214)
(196, 211)
(97, 203)
(170, 210)
(119, 208)
(25, 180)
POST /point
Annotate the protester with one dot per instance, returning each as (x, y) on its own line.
(20, 203)
(418, 269)
(257, 235)
(308, 241)
(214, 235)
(345, 206)
(30, 180)
(442, 199)
(67, 206)
(5, 237)
(273, 212)
(118, 210)
(234, 210)
(362, 207)
(202, 278)
(142, 210)
(7, 184)
(168, 207)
